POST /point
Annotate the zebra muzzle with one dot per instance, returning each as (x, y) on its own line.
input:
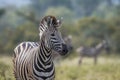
(64, 50)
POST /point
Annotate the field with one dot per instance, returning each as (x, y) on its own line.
(108, 68)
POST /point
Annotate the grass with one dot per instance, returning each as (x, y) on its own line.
(6, 68)
(106, 69)
(68, 69)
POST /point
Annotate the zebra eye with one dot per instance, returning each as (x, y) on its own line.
(54, 23)
(52, 34)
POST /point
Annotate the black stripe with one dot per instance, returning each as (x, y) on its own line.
(19, 49)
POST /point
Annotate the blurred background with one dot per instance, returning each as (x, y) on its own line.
(85, 22)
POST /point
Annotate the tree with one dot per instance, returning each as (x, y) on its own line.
(2, 12)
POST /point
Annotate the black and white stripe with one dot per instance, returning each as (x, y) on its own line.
(33, 60)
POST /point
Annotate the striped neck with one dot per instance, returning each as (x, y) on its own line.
(43, 65)
(45, 54)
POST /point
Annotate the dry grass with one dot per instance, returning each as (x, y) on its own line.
(68, 69)
(106, 69)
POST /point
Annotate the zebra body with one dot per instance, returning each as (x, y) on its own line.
(91, 51)
(33, 60)
(28, 50)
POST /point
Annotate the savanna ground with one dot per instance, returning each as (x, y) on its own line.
(108, 68)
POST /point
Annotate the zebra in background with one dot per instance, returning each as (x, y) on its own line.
(91, 51)
(68, 41)
(33, 60)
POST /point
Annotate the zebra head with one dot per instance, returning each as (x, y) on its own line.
(52, 37)
(103, 45)
(106, 45)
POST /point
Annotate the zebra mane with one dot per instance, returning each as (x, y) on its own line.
(46, 22)
(47, 17)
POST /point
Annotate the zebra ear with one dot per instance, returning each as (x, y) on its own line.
(58, 23)
(45, 19)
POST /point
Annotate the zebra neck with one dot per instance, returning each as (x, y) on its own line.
(99, 48)
(43, 65)
(45, 54)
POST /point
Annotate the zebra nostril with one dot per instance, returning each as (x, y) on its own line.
(65, 49)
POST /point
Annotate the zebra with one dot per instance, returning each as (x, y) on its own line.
(91, 51)
(68, 40)
(33, 60)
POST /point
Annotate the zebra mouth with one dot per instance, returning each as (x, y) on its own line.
(64, 50)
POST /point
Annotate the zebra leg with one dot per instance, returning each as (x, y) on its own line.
(95, 60)
(80, 60)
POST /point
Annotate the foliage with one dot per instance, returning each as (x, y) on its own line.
(11, 38)
(87, 25)
(2, 11)
(93, 30)
(64, 12)
(87, 31)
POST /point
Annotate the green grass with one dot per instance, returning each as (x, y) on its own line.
(68, 69)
